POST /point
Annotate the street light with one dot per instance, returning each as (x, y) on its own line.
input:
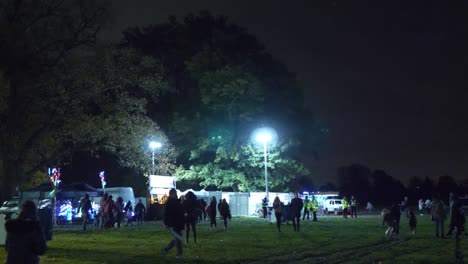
(264, 136)
(154, 145)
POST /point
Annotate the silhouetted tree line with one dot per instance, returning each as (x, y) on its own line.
(383, 189)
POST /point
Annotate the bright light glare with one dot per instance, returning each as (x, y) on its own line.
(155, 145)
(263, 137)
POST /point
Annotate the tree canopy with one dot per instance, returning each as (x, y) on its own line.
(58, 95)
(225, 84)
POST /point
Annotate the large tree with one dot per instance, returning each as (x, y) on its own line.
(37, 37)
(58, 97)
(355, 180)
(386, 190)
(226, 84)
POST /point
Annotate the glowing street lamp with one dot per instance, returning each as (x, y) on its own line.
(154, 145)
(264, 136)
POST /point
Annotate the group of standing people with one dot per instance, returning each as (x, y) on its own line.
(349, 205)
(294, 210)
(438, 212)
(111, 213)
(424, 205)
(310, 206)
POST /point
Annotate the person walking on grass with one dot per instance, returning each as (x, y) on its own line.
(224, 211)
(296, 208)
(110, 211)
(212, 212)
(452, 199)
(140, 211)
(190, 215)
(278, 207)
(264, 207)
(129, 211)
(306, 208)
(174, 222)
(404, 207)
(428, 205)
(412, 222)
(458, 219)
(315, 207)
(387, 220)
(421, 206)
(353, 203)
(344, 204)
(395, 214)
(203, 209)
(199, 211)
(85, 206)
(438, 215)
(102, 210)
(25, 241)
(118, 211)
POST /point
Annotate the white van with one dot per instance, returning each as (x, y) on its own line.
(332, 206)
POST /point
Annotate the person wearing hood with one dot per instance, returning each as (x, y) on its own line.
(25, 240)
(174, 221)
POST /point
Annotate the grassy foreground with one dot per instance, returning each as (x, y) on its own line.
(253, 240)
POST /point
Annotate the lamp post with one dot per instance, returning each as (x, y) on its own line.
(154, 145)
(264, 136)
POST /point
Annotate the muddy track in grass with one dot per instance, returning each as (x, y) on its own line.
(350, 254)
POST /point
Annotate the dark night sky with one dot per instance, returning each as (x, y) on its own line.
(388, 80)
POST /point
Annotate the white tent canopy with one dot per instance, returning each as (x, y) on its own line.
(201, 193)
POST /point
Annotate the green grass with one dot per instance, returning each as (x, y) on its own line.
(253, 240)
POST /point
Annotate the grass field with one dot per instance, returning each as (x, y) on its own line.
(253, 240)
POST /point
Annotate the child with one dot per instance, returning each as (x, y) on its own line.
(412, 222)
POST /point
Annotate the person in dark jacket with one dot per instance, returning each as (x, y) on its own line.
(190, 215)
(174, 221)
(439, 215)
(203, 207)
(458, 219)
(224, 211)
(25, 240)
(264, 207)
(212, 212)
(140, 211)
(85, 206)
(103, 215)
(129, 211)
(296, 208)
(118, 211)
(278, 207)
(109, 211)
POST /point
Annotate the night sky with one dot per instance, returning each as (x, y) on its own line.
(387, 79)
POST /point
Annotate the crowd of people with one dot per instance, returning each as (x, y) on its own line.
(112, 213)
(188, 211)
(436, 208)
